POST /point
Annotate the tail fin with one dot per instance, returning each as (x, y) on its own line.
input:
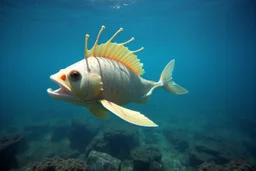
(166, 80)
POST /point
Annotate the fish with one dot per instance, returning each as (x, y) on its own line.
(110, 77)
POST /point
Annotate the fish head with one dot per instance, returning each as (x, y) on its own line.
(73, 82)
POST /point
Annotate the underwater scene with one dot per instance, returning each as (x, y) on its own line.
(127, 85)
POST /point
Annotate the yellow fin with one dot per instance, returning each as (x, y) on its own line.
(102, 114)
(115, 51)
(128, 115)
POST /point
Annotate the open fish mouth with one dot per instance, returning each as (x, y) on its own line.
(63, 92)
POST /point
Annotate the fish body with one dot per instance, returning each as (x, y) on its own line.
(108, 78)
(120, 84)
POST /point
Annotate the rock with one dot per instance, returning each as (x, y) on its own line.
(127, 165)
(208, 151)
(178, 138)
(216, 147)
(118, 142)
(95, 143)
(149, 136)
(194, 159)
(80, 134)
(155, 166)
(58, 164)
(11, 145)
(98, 161)
(144, 156)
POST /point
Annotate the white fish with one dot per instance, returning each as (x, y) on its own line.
(109, 77)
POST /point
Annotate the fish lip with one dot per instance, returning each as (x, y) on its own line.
(63, 92)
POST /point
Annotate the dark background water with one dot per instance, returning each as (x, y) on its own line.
(213, 42)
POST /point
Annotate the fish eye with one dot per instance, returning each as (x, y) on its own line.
(75, 75)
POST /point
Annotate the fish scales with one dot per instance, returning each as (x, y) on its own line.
(120, 84)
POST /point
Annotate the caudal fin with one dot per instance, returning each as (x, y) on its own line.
(166, 80)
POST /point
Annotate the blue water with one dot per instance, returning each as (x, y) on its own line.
(212, 41)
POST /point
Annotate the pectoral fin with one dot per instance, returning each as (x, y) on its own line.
(128, 115)
(143, 100)
(102, 114)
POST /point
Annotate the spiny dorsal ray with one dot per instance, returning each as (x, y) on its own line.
(115, 51)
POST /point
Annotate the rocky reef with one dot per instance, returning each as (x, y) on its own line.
(148, 158)
(233, 165)
(58, 164)
(118, 142)
(98, 161)
(83, 145)
(10, 146)
(80, 134)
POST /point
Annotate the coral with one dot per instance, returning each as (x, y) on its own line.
(233, 165)
(98, 161)
(209, 166)
(58, 164)
(238, 164)
(11, 145)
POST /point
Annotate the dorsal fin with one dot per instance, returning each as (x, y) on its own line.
(115, 51)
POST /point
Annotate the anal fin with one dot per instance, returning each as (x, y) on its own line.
(102, 114)
(128, 115)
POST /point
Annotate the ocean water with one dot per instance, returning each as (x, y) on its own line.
(213, 43)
